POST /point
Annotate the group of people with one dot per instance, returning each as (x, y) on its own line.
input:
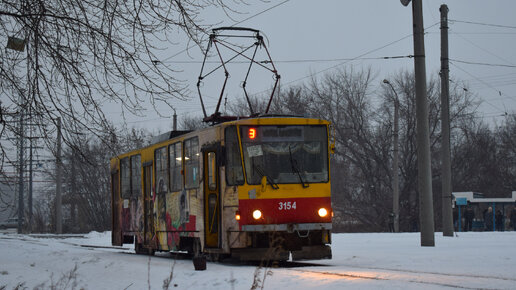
(500, 221)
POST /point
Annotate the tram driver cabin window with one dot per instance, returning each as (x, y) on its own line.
(192, 162)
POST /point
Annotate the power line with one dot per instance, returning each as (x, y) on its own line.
(483, 63)
(483, 49)
(485, 83)
(483, 24)
(351, 59)
(239, 22)
(259, 13)
(485, 33)
(300, 60)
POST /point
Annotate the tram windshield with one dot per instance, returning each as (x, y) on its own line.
(285, 154)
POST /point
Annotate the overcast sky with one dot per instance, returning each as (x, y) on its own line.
(329, 32)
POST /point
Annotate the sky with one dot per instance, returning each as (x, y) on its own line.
(473, 260)
(308, 38)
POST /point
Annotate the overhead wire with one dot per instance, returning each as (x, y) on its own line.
(480, 80)
(483, 80)
(483, 49)
(234, 24)
(481, 23)
(349, 60)
(300, 60)
(483, 63)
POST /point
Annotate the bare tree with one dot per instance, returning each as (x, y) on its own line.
(86, 181)
(71, 58)
(362, 167)
(462, 112)
(345, 99)
(485, 159)
(80, 55)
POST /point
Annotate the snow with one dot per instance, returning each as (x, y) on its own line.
(470, 260)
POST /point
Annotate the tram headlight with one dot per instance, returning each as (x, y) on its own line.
(237, 215)
(257, 214)
(322, 212)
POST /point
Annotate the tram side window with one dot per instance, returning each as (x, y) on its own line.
(176, 165)
(234, 172)
(136, 175)
(192, 163)
(160, 157)
(125, 177)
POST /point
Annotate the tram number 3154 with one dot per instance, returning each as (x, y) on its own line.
(286, 205)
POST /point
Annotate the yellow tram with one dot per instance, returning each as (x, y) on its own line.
(253, 189)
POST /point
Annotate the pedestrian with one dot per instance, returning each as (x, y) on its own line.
(391, 222)
(513, 217)
(469, 214)
(455, 219)
(499, 220)
(488, 219)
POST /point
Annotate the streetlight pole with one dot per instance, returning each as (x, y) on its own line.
(21, 161)
(445, 128)
(18, 44)
(395, 182)
(426, 210)
(59, 219)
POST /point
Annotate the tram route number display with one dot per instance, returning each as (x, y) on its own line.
(286, 205)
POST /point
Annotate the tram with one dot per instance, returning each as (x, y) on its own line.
(252, 189)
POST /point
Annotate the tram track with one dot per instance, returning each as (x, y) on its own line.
(458, 281)
(434, 273)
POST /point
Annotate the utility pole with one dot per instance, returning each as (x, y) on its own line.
(445, 128)
(21, 164)
(426, 210)
(30, 182)
(73, 195)
(59, 224)
(395, 180)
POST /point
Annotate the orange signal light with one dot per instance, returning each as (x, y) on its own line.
(252, 133)
(237, 215)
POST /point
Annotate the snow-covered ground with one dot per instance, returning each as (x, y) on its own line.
(484, 260)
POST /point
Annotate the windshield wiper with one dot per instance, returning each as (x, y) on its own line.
(258, 169)
(293, 162)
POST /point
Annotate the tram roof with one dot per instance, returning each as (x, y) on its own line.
(259, 120)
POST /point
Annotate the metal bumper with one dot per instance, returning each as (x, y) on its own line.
(290, 228)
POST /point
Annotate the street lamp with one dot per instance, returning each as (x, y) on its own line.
(395, 182)
(405, 2)
(15, 43)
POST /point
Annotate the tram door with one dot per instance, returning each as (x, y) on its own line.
(148, 204)
(211, 199)
(116, 233)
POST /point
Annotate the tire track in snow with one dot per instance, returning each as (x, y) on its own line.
(427, 278)
(433, 273)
